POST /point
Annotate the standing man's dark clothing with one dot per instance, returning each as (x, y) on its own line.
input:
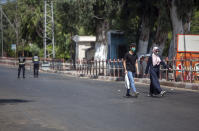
(36, 65)
(21, 66)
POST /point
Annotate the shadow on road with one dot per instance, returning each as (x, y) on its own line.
(13, 101)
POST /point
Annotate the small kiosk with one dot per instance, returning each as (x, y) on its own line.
(85, 47)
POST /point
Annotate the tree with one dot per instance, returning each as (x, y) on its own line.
(195, 23)
(96, 16)
(162, 26)
(145, 22)
(128, 20)
(9, 34)
(180, 12)
(67, 23)
(30, 15)
(147, 11)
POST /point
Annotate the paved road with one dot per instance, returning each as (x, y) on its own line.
(54, 102)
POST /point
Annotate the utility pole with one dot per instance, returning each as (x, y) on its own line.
(53, 39)
(45, 11)
(1, 32)
(48, 28)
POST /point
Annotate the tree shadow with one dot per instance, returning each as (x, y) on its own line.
(13, 101)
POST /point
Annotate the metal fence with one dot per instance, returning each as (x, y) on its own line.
(110, 67)
(185, 70)
(57, 64)
(48, 64)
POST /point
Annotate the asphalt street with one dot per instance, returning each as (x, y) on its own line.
(56, 102)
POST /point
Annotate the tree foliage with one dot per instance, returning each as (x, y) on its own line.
(87, 17)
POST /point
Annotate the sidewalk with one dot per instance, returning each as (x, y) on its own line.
(192, 86)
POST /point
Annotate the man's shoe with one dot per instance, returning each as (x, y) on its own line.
(128, 95)
(136, 94)
(162, 93)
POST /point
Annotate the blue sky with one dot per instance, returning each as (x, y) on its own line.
(3, 1)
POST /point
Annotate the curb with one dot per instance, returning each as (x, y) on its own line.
(192, 86)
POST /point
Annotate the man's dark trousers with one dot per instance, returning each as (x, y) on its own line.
(19, 70)
(36, 70)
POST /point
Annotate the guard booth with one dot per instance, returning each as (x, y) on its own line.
(187, 57)
(85, 47)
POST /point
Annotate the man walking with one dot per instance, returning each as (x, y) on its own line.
(131, 66)
(35, 60)
(21, 65)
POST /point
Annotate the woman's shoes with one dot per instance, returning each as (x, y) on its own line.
(162, 93)
(150, 95)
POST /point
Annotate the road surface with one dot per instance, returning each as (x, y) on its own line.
(55, 102)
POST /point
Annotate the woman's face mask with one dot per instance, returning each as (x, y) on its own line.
(133, 49)
(156, 52)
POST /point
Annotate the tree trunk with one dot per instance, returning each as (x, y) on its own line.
(144, 36)
(160, 38)
(159, 41)
(101, 46)
(177, 26)
(187, 23)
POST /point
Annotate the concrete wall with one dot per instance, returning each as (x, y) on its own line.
(82, 48)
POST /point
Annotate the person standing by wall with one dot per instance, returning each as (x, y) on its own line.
(35, 60)
(21, 65)
(153, 66)
(131, 66)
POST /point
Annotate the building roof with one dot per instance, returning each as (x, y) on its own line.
(77, 38)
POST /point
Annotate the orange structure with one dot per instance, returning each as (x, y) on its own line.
(187, 57)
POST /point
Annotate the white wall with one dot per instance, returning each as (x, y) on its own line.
(82, 47)
(188, 43)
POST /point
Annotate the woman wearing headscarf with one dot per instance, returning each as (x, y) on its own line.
(153, 66)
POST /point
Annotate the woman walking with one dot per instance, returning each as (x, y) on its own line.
(153, 66)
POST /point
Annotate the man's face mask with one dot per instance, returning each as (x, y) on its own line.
(133, 49)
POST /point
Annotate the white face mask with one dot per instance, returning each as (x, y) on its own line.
(156, 52)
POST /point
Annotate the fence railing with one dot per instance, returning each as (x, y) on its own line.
(112, 68)
(48, 64)
(185, 70)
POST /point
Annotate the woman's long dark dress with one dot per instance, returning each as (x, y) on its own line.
(154, 75)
